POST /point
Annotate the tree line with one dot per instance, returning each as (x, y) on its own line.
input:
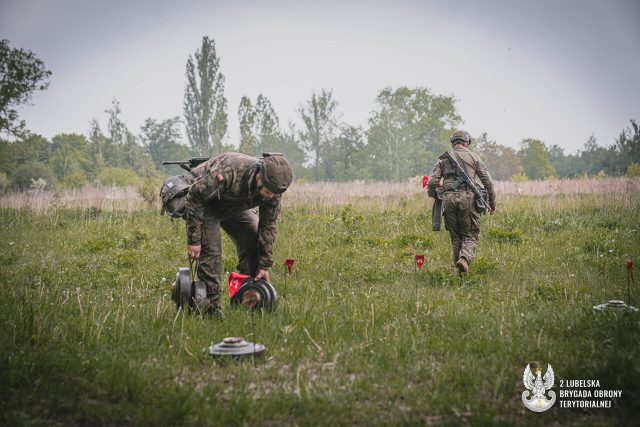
(407, 129)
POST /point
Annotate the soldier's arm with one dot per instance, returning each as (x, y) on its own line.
(268, 213)
(204, 189)
(487, 182)
(434, 180)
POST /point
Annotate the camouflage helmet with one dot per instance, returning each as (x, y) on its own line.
(460, 136)
(275, 172)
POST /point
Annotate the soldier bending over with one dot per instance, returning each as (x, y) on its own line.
(225, 190)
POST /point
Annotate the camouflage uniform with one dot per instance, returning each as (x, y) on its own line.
(224, 194)
(461, 218)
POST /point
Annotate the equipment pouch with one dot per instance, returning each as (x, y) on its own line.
(480, 206)
(436, 215)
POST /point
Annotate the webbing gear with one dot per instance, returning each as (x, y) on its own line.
(480, 200)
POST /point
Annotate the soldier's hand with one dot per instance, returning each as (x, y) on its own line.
(492, 210)
(194, 251)
(262, 274)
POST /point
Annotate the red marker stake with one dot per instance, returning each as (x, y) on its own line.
(419, 264)
(425, 181)
(289, 263)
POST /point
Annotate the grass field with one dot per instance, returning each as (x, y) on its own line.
(90, 336)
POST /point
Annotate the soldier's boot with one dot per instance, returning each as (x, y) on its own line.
(212, 307)
(215, 312)
(462, 265)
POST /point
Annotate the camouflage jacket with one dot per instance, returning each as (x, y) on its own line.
(444, 170)
(226, 184)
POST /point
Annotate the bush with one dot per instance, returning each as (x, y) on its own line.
(117, 177)
(633, 170)
(75, 179)
(149, 190)
(520, 177)
(31, 172)
(4, 182)
(38, 185)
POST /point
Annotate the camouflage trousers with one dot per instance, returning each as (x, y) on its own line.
(463, 223)
(242, 228)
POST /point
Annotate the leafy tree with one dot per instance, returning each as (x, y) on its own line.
(246, 117)
(347, 159)
(205, 106)
(161, 141)
(633, 170)
(266, 125)
(408, 130)
(122, 148)
(117, 177)
(118, 135)
(287, 143)
(4, 182)
(503, 162)
(28, 148)
(628, 147)
(69, 153)
(320, 124)
(259, 126)
(260, 133)
(594, 158)
(98, 148)
(75, 179)
(33, 170)
(536, 159)
(565, 165)
(21, 74)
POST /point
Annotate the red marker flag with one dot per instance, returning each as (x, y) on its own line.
(419, 261)
(235, 280)
(289, 263)
(425, 181)
(630, 269)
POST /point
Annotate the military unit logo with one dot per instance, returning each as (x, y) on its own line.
(537, 388)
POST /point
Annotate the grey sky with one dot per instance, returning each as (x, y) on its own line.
(554, 70)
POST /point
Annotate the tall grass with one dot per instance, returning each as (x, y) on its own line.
(315, 195)
(89, 334)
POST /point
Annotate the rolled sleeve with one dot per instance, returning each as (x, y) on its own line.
(268, 214)
(434, 180)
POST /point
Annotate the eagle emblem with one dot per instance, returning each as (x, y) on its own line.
(537, 386)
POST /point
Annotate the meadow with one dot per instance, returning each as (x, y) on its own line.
(90, 335)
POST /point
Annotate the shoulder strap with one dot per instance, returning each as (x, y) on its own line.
(462, 162)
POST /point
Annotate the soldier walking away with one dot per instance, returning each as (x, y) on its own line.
(226, 190)
(459, 200)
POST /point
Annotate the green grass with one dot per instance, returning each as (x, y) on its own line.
(89, 334)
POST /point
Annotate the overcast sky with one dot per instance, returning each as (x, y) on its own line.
(554, 70)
